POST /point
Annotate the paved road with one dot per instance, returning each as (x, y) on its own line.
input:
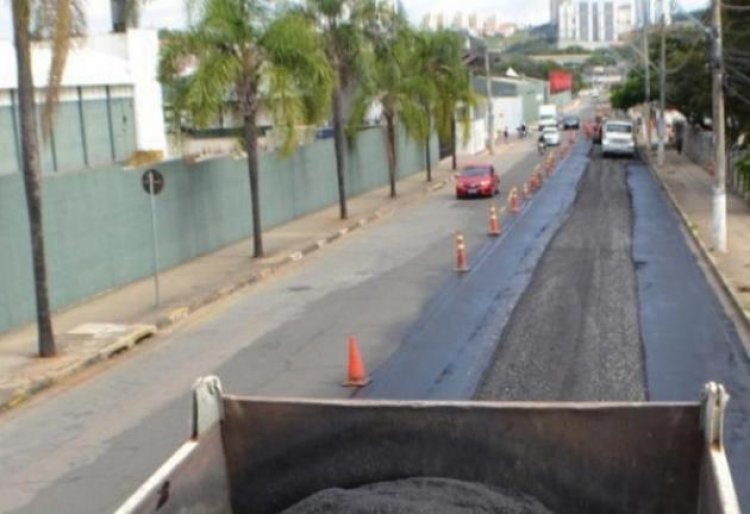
(574, 336)
(85, 448)
(619, 309)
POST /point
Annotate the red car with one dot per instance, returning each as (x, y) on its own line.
(477, 180)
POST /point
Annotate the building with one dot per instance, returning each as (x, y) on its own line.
(486, 25)
(110, 102)
(554, 11)
(624, 19)
(593, 23)
(650, 12)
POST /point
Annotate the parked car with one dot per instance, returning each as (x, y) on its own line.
(551, 136)
(571, 123)
(617, 138)
(477, 180)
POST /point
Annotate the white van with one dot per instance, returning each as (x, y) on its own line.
(618, 138)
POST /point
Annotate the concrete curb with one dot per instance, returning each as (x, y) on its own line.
(28, 388)
(708, 258)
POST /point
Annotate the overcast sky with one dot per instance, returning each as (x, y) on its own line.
(170, 13)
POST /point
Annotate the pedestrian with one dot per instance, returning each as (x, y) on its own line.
(505, 133)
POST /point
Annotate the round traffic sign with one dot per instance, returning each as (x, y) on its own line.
(152, 180)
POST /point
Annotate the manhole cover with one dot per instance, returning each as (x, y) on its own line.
(297, 289)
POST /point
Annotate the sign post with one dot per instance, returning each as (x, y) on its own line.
(153, 183)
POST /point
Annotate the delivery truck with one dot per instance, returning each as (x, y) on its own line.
(548, 116)
(265, 455)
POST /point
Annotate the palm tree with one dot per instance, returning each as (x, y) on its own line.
(275, 64)
(67, 21)
(341, 23)
(452, 79)
(391, 83)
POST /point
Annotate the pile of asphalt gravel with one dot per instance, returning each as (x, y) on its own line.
(418, 495)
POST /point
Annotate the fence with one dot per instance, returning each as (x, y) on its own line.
(97, 221)
(93, 126)
(699, 147)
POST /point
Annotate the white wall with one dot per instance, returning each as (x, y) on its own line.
(476, 140)
(143, 57)
(128, 59)
(508, 112)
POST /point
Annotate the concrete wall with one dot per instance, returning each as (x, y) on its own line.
(98, 60)
(560, 99)
(81, 136)
(508, 113)
(97, 221)
(477, 138)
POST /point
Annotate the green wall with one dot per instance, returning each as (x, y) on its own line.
(97, 225)
(64, 150)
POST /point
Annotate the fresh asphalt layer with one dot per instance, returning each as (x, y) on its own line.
(688, 338)
(86, 447)
(574, 335)
(444, 355)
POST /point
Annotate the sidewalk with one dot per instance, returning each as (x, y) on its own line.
(115, 321)
(689, 186)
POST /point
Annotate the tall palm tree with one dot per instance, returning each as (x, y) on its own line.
(341, 23)
(67, 20)
(452, 79)
(266, 62)
(391, 83)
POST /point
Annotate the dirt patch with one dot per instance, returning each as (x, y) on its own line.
(418, 496)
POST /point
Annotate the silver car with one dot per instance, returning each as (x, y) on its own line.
(618, 138)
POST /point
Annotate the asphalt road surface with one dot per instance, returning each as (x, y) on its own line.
(84, 448)
(574, 336)
(591, 293)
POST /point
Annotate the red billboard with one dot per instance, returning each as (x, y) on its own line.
(560, 81)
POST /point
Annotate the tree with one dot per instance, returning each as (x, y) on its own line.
(455, 94)
(272, 64)
(439, 80)
(388, 84)
(341, 23)
(67, 20)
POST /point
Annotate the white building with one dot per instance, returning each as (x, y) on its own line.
(109, 85)
(592, 23)
(651, 11)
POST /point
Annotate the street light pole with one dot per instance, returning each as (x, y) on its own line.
(662, 92)
(647, 73)
(719, 228)
(488, 88)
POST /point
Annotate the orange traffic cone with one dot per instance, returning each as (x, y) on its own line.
(495, 228)
(513, 200)
(357, 375)
(462, 263)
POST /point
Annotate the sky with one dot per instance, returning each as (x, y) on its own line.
(170, 13)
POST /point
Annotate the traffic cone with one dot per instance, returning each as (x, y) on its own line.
(462, 263)
(495, 229)
(526, 193)
(357, 374)
(513, 200)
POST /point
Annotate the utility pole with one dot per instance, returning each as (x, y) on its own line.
(647, 73)
(488, 88)
(662, 91)
(718, 127)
